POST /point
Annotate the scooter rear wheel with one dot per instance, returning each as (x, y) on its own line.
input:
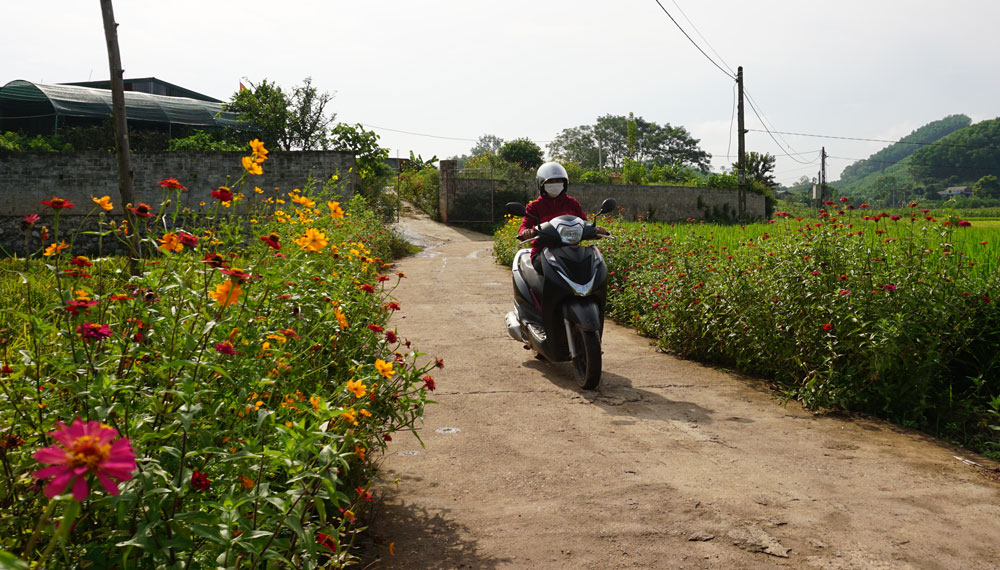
(587, 364)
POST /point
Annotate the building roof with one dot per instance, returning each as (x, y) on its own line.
(151, 85)
(21, 99)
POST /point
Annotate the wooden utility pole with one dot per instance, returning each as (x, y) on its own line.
(741, 170)
(125, 173)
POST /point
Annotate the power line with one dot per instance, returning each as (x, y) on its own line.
(911, 163)
(728, 74)
(703, 38)
(768, 131)
(433, 136)
(884, 140)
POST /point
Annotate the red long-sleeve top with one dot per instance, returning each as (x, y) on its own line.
(545, 208)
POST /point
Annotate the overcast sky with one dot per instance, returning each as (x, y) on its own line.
(458, 69)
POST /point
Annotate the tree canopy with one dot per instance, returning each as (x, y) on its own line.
(295, 120)
(522, 152)
(968, 154)
(605, 144)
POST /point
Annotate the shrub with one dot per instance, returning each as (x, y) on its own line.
(247, 368)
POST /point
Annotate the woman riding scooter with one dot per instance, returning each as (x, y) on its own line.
(552, 201)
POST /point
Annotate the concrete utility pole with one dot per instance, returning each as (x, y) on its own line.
(822, 175)
(741, 171)
(125, 173)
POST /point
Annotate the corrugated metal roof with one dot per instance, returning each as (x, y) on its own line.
(23, 99)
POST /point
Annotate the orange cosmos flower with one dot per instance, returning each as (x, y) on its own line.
(251, 166)
(384, 368)
(313, 240)
(55, 249)
(335, 210)
(104, 202)
(226, 293)
(171, 242)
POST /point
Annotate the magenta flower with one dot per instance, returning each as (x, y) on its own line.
(85, 448)
(964, 223)
(30, 219)
(93, 331)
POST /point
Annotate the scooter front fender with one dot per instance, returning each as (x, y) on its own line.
(584, 312)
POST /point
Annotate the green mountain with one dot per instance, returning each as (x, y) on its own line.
(891, 155)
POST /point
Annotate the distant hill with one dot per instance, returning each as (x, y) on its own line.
(889, 160)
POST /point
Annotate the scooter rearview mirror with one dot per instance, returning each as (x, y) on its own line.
(608, 205)
(516, 209)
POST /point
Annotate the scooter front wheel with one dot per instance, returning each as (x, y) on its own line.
(587, 364)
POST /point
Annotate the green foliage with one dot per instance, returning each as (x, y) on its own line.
(369, 163)
(421, 188)
(986, 187)
(203, 141)
(894, 318)
(11, 142)
(967, 154)
(896, 152)
(487, 144)
(605, 144)
(295, 120)
(522, 152)
(759, 167)
(596, 177)
(256, 418)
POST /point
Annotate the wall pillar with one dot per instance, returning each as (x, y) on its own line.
(446, 192)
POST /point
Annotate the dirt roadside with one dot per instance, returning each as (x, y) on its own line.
(670, 464)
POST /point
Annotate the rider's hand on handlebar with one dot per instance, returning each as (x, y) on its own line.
(527, 234)
(601, 231)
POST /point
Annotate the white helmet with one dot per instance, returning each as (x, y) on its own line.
(552, 179)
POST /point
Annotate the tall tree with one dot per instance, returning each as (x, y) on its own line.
(605, 144)
(760, 167)
(487, 144)
(308, 121)
(522, 152)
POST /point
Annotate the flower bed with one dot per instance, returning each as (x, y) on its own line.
(890, 314)
(222, 408)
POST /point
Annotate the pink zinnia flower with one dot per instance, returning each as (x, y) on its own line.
(85, 448)
(964, 224)
(187, 239)
(93, 331)
(225, 347)
(58, 203)
(30, 219)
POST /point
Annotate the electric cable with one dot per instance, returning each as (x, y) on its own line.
(730, 75)
(883, 140)
(703, 38)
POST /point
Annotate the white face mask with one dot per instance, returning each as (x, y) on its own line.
(553, 189)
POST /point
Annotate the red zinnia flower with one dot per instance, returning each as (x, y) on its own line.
(843, 198)
(382, 278)
(964, 224)
(429, 383)
(187, 239)
(845, 292)
(289, 333)
(374, 328)
(85, 448)
(272, 240)
(223, 194)
(843, 278)
(391, 337)
(199, 481)
(80, 261)
(225, 347)
(93, 331)
(828, 327)
(238, 275)
(142, 210)
(439, 363)
(58, 203)
(327, 541)
(172, 183)
(367, 288)
(393, 306)
(77, 305)
(214, 260)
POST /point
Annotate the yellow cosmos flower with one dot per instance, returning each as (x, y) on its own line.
(104, 202)
(251, 166)
(335, 210)
(349, 416)
(258, 190)
(313, 240)
(365, 413)
(357, 388)
(171, 242)
(55, 248)
(81, 295)
(226, 293)
(384, 368)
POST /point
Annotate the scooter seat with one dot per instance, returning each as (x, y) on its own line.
(527, 269)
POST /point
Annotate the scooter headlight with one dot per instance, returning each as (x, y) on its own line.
(571, 234)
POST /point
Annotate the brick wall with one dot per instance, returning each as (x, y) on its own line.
(657, 203)
(28, 178)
